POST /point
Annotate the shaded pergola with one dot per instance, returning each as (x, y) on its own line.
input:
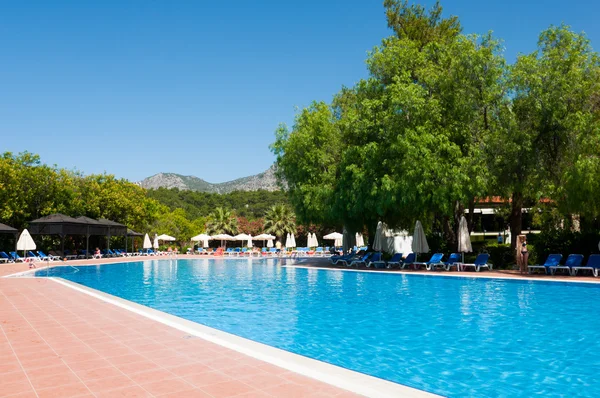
(6, 229)
(63, 225)
(58, 224)
(133, 234)
(94, 227)
(114, 229)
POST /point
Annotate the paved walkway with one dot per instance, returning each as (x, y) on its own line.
(57, 342)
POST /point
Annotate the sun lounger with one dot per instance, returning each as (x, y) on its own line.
(31, 256)
(480, 262)
(435, 259)
(16, 258)
(593, 264)
(574, 260)
(453, 261)
(5, 258)
(409, 260)
(343, 260)
(49, 257)
(395, 261)
(360, 261)
(552, 261)
(375, 261)
(70, 256)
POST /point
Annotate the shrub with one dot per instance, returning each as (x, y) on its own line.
(501, 255)
(562, 242)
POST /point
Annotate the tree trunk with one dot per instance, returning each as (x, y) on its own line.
(470, 219)
(449, 231)
(516, 217)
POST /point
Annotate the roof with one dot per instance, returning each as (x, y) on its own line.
(5, 229)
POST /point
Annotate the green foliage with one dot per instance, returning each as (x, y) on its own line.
(222, 221)
(30, 189)
(249, 204)
(279, 221)
(563, 242)
(501, 255)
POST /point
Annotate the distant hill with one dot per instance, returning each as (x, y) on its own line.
(265, 180)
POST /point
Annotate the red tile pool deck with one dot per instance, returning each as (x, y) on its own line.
(58, 342)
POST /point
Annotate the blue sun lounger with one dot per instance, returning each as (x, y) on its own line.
(395, 261)
(15, 257)
(481, 261)
(435, 259)
(593, 264)
(376, 261)
(361, 260)
(574, 260)
(5, 257)
(409, 260)
(346, 259)
(454, 260)
(552, 261)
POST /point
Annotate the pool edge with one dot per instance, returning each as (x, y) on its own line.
(346, 379)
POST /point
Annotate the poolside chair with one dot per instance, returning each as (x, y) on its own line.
(343, 260)
(409, 260)
(551, 261)
(50, 257)
(364, 259)
(574, 260)
(395, 261)
(70, 256)
(319, 252)
(481, 261)
(32, 256)
(593, 264)
(16, 258)
(454, 260)
(5, 258)
(375, 261)
(435, 259)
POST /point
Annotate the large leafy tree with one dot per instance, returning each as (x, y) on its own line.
(222, 221)
(410, 140)
(279, 221)
(552, 128)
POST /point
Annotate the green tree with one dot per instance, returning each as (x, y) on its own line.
(222, 221)
(279, 221)
(552, 129)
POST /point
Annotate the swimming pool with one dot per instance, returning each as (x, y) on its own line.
(447, 335)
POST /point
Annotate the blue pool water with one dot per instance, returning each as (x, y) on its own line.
(451, 336)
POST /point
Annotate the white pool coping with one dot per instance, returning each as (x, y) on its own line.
(446, 274)
(346, 379)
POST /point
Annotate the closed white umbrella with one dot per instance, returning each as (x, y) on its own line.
(419, 243)
(360, 241)
(147, 243)
(166, 238)
(464, 238)
(288, 241)
(25, 242)
(155, 241)
(293, 240)
(270, 243)
(378, 242)
(249, 240)
(315, 240)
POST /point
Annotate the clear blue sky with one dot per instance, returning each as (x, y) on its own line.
(137, 87)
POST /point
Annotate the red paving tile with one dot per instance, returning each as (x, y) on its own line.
(57, 342)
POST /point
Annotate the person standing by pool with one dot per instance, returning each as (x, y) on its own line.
(524, 256)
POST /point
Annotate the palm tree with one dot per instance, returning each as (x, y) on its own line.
(222, 221)
(280, 220)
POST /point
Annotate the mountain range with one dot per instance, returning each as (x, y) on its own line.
(265, 180)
